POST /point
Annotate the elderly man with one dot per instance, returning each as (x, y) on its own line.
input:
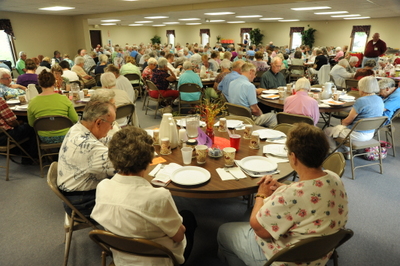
(374, 48)
(339, 73)
(88, 61)
(353, 60)
(20, 66)
(122, 82)
(88, 80)
(83, 159)
(7, 89)
(273, 78)
(243, 92)
(223, 86)
(390, 95)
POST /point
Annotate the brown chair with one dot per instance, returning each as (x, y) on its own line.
(134, 246)
(189, 88)
(351, 83)
(335, 162)
(11, 144)
(49, 123)
(389, 131)
(311, 249)
(97, 79)
(138, 87)
(127, 111)
(160, 99)
(284, 127)
(365, 124)
(72, 223)
(234, 109)
(246, 120)
(292, 118)
(294, 74)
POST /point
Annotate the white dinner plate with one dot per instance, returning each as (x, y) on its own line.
(13, 101)
(190, 176)
(347, 98)
(271, 91)
(270, 134)
(231, 123)
(22, 107)
(333, 103)
(270, 97)
(258, 164)
(85, 100)
(275, 149)
(182, 123)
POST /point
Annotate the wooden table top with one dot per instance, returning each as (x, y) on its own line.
(215, 187)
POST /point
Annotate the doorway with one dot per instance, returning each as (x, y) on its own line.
(95, 38)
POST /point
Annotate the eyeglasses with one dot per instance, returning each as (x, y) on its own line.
(111, 123)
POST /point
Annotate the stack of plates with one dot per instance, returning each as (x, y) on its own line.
(272, 91)
(13, 101)
(257, 166)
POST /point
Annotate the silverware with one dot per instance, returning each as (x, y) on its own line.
(228, 171)
(159, 169)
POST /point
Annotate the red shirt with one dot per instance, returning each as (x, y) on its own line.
(375, 50)
(6, 115)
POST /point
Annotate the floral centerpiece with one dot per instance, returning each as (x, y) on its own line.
(209, 110)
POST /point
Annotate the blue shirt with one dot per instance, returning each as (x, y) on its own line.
(223, 86)
(251, 53)
(392, 103)
(367, 107)
(190, 77)
(134, 53)
(242, 92)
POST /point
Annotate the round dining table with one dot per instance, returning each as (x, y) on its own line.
(215, 187)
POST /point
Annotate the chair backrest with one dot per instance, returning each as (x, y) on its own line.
(52, 182)
(396, 114)
(151, 86)
(311, 249)
(135, 246)
(323, 74)
(245, 119)
(52, 123)
(234, 109)
(97, 79)
(132, 76)
(125, 110)
(335, 162)
(372, 123)
(292, 118)
(189, 87)
(284, 127)
(351, 83)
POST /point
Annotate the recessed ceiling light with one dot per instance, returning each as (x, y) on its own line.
(358, 18)
(159, 25)
(56, 8)
(195, 23)
(220, 13)
(188, 19)
(235, 22)
(108, 24)
(331, 13)
(288, 20)
(135, 25)
(144, 21)
(110, 20)
(217, 20)
(250, 16)
(310, 8)
(270, 18)
(345, 16)
(167, 23)
(156, 17)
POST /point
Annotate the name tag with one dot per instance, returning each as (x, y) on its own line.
(376, 48)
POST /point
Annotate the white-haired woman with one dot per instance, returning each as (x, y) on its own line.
(340, 74)
(368, 105)
(162, 76)
(103, 62)
(339, 54)
(147, 73)
(78, 69)
(351, 68)
(301, 103)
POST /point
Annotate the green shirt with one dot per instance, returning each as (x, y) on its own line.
(130, 68)
(19, 66)
(53, 104)
(270, 80)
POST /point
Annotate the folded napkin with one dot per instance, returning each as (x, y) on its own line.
(232, 171)
(279, 141)
(256, 174)
(163, 176)
(232, 123)
(149, 132)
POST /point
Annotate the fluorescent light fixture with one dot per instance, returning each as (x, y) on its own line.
(250, 16)
(144, 21)
(129, 0)
(195, 23)
(170, 23)
(156, 17)
(110, 20)
(331, 13)
(270, 18)
(220, 13)
(358, 18)
(56, 8)
(132, 25)
(345, 16)
(108, 24)
(217, 20)
(288, 20)
(235, 22)
(188, 19)
(159, 25)
(310, 8)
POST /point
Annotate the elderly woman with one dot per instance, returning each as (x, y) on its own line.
(30, 76)
(170, 58)
(128, 205)
(62, 83)
(259, 63)
(50, 103)
(339, 54)
(147, 73)
(239, 56)
(391, 96)
(88, 80)
(351, 68)
(367, 70)
(285, 214)
(298, 61)
(46, 62)
(366, 106)
(161, 78)
(204, 62)
(103, 62)
(214, 60)
(7, 89)
(301, 103)
(339, 73)
(131, 68)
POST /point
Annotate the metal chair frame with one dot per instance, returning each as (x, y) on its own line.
(127, 111)
(293, 118)
(189, 88)
(235, 109)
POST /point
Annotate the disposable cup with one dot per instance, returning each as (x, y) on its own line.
(229, 156)
(201, 153)
(235, 141)
(187, 155)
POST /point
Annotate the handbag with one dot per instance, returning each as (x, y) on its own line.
(372, 153)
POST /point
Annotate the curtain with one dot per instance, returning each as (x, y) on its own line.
(206, 31)
(170, 32)
(245, 30)
(295, 29)
(360, 28)
(5, 24)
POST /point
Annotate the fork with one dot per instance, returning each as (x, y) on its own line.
(161, 167)
(228, 171)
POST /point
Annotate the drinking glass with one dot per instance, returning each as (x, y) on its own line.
(192, 124)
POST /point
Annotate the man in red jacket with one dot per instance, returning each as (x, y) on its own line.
(374, 48)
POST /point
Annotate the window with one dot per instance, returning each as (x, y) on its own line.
(359, 36)
(7, 48)
(204, 37)
(295, 37)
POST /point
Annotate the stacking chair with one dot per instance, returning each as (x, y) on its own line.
(294, 75)
(365, 124)
(351, 83)
(234, 109)
(323, 74)
(284, 127)
(11, 144)
(311, 249)
(389, 131)
(137, 87)
(335, 162)
(72, 223)
(292, 118)
(49, 123)
(134, 246)
(127, 111)
(152, 87)
(246, 120)
(257, 79)
(189, 88)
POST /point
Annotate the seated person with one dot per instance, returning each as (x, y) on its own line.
(103, 62)
(122, 83)
(128, 205)
(131, 68)
(391, 96)
(46, 62)
(319, 61)
(260, 64)
(286, 214)
(30, 76)
(204, 62)
(50, 103)
(189, 77)
(339, 73)
(353, 60)
(214, 60)
(243, 92)
(170, 58)
(298, 61)
(83, 159)
(367, 70)
(147, 72)
(67, 73)
(62, 83)
(368, 105)
(88, 80)
(7, 89)
(225, 70)
(273, 78)
(301, 103)
(161, 79)
(339, 54)
(223, 85)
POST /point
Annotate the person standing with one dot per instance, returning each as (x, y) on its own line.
(374, 48)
